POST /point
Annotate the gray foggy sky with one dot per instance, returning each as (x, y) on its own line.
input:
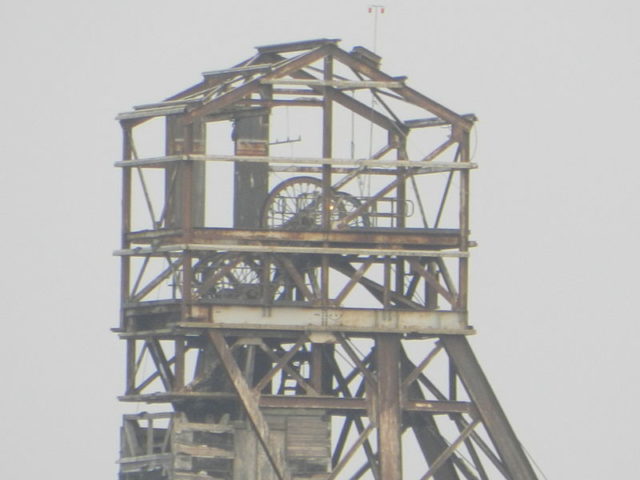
(554, 204)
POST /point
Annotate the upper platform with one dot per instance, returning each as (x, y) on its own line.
(304, 177)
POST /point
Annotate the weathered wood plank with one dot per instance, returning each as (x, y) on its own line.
(202, 451)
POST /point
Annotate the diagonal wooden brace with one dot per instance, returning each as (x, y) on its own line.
(274, 451)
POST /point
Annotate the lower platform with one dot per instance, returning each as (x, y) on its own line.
(317, 319)
(152, 316)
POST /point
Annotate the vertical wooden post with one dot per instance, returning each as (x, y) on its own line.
(431, 294)
(316, 367)
(130, 366)
(401, 199)
(125, 260)
(179, 365)
(186, 171)
(401, 189)
(184, 139)
(149, 435)
(186, 176)
(388, 406)
(327, 139)
(386, 294)
(463, 265)
(327, 152)
(250, 179)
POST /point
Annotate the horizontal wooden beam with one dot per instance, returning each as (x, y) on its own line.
(353, 405)
(192, 247)
(339, 84)
(296, 46)
(362, 162)
(152, 112)
(407, 238)
(237, 71)
(434, 121)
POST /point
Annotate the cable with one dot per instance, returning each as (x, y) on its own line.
(535, 464)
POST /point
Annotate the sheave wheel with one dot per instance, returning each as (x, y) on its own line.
(296, 204)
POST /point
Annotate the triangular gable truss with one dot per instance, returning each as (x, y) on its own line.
(228, 90)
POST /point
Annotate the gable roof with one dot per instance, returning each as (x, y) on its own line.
(280, 74)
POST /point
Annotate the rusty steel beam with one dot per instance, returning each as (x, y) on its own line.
(388, 405)
(243, 91)
(408, 238)
(407, 93)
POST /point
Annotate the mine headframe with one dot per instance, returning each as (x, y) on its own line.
(295, 242)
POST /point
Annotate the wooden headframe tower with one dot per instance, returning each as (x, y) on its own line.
(294, 280)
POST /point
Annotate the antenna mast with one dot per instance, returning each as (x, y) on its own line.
(375, 9)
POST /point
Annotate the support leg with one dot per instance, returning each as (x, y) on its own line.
(494, 419)
(388, 406)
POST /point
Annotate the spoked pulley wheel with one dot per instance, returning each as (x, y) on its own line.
(296, 204)
(228, 276)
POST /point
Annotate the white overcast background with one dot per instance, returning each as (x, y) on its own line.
(555, 209)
